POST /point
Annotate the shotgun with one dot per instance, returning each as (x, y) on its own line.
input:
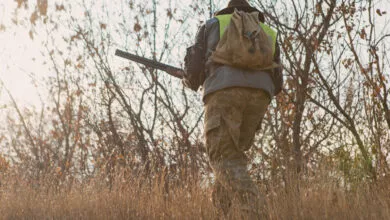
(171, 70)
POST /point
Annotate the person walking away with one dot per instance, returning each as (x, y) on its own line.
(236, 61)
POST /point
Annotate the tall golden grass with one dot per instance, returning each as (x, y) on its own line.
(136, 198)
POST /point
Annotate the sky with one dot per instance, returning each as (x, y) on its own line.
(16, 62)
(18, 51)
(20, 56)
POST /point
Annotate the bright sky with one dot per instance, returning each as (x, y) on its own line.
(16, 64)
(17, 52)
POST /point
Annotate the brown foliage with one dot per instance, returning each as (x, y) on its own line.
(125, 141)
(135, 198)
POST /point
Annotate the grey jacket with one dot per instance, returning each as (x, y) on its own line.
(215, 77)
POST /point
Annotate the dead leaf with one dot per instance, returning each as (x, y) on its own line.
(34, 17)
(80, 66)
(60, 7)
(21, 2)
(169, 13)
(363, 34)
(103, 26)
(349, 28)
(67, 62)
(42, 6)
(31, 34)
(137, 27)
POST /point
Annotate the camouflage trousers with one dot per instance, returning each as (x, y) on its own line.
(232, 117)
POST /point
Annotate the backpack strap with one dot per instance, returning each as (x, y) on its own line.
(224, 21)
(271, 33)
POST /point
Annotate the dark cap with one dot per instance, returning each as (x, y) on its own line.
(238, 3)
(241, 5)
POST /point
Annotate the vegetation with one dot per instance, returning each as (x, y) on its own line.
(112, 139)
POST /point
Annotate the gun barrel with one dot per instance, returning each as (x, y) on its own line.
(174, 71)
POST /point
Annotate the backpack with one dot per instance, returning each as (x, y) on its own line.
(244, 44)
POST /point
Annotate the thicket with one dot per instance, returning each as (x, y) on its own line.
(126, 133)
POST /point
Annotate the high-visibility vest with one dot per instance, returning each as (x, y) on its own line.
(224, 21)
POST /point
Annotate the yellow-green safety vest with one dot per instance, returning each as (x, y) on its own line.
(224, 21)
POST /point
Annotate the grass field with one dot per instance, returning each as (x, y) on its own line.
(133, 199)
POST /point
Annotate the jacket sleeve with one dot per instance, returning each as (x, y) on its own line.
(194, 62)
(277, 73)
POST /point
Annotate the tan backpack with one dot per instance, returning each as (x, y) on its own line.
(244, 44)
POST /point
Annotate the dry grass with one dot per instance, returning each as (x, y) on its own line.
(135, 200)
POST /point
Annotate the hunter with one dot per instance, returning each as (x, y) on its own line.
(235, 101)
